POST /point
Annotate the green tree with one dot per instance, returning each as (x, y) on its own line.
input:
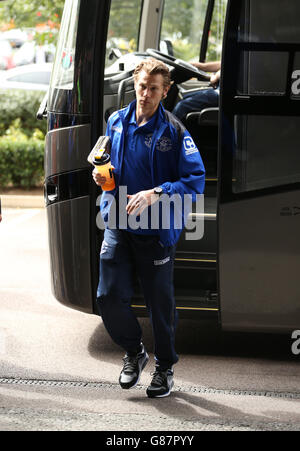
(42, 15)
(183, 25)
(214, 49)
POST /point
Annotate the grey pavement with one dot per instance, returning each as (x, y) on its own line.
(59, 369)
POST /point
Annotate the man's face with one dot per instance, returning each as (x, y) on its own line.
(149, 92)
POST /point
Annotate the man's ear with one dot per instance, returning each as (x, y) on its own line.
(166, 90)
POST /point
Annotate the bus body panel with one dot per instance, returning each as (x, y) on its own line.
(77, 139)
(69, 245)
(259, 168)
(75, 105)
(260, 264)
(67, 180)
(244, 271)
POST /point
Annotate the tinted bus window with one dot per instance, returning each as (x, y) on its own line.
(71, 87)
(123, 32)
(182, 25)
(267, 146)
(214, 49)
(267, 152)
(63, 71)
(263, 73)
(273, 21)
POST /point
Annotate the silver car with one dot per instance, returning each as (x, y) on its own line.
(34, 77)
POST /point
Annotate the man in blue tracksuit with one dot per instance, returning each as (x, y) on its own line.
(153, 157)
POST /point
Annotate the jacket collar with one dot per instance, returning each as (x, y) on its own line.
(126, 113)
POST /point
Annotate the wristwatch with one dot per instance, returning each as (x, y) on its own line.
(158, 190)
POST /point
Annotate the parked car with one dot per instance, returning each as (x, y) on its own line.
(35, 77)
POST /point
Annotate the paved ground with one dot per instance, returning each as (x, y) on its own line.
(59, 369)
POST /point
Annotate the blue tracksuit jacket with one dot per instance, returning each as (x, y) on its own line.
(175, 161)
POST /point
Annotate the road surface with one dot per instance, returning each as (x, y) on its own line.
(59, 370)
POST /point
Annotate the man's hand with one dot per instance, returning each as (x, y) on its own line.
(98, 178)
(214, 79)
(140, 201)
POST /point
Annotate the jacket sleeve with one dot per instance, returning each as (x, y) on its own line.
(190, 169)
(108, 126)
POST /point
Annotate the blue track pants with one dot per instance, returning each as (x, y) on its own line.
(196, 101)
(124, 255)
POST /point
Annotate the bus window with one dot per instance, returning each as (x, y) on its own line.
(263, 73)
(266, 25)
(267, 144)
(182, 27)
(214, 48)
(122, 37)
(267, 152)
(63, 70)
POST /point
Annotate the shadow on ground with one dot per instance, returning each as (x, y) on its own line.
(196, 338)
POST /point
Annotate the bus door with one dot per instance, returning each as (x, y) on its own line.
(259, 167)
(73, 103)
(96, 53)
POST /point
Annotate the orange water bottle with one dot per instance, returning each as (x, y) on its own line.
(103, 166)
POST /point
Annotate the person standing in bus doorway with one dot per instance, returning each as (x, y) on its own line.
(152, 153)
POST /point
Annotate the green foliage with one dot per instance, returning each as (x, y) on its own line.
(184, 50)
(216, 32)
(21, 139)
(183, 23)
(23, 105)
(34, 13)
(21, 159)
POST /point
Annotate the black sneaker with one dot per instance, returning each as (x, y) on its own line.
(133, 366)
(161, 384)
